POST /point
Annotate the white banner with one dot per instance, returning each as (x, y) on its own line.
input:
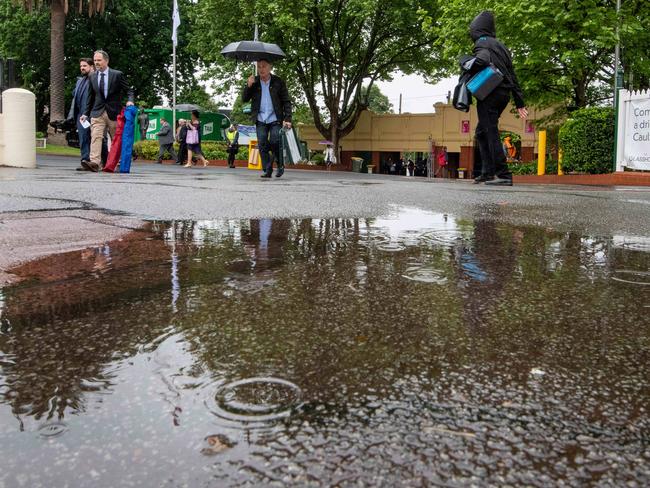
(176, 22)
(633, 131)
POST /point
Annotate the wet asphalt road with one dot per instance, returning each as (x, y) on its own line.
(321, 330)
(174, 193)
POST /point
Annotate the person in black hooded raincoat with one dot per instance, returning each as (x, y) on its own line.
(488, 49)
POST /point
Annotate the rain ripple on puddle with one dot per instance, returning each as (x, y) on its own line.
(258, 400)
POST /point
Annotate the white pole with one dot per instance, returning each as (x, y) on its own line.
(255, 38)
(174, 93)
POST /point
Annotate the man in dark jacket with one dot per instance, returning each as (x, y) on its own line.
(104, 105)
(181, 134)
(80, 96)
(143, 124)
(488, 49)
(270, 109)
(165, 140)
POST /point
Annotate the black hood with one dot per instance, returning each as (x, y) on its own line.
(482, 25)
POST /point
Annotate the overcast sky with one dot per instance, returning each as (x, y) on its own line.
(417, 96)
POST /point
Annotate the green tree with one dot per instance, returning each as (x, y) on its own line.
(562, 49)
(22, 37)
(58, 9)
(333, 47)
(196, 94)
(145, 55)
(377, 101)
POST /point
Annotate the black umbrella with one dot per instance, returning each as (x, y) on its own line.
(253, 51)
(187, 107)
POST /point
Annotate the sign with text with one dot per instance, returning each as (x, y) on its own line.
(633, 144)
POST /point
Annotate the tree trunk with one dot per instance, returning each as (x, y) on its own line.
(57, 76)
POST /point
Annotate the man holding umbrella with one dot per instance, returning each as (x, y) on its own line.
(270, 110)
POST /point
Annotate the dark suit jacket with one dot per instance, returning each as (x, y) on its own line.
(279, 97)
(80, 96)
(112, 104)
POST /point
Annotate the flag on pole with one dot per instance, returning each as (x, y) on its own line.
(176, 21)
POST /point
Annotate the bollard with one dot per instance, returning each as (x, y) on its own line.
(18, 129)
(541, 153)
(559, 162)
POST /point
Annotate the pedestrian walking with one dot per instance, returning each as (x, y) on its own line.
(108, 86)
(489, 50)
(193, 140)
(232, 135)
(330, 156)
(165, 140)
(181, 135)
(80, 96)
(270, 109)
(443, 162)
(143, 123)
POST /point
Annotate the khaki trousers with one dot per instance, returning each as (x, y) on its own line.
(98, 128)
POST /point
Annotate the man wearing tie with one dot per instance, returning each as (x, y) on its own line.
(104, 105)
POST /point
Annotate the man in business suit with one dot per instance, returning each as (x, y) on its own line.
(104, 105)
(165, 140)
(80, 96)
(270, 109)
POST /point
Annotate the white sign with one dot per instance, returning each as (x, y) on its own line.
(208, 128)
(633, 150)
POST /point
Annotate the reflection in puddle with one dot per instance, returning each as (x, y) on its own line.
(329, 352)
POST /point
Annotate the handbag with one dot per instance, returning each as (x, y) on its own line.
(485, 81)
(192, 136)
(462, 97)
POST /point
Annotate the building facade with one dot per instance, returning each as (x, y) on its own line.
(378, 137)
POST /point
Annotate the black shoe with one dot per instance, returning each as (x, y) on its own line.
(482, 179)
(266, 175)
(279, 172)
(499, 182)
(90, 166)
(81, 168)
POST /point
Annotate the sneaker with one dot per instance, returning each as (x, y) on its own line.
(266, 175)
(499, 182)
(279, 172)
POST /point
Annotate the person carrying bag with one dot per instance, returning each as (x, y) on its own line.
(490, 52)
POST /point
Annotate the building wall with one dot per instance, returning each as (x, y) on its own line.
(412, 132)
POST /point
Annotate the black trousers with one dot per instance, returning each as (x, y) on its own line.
(182, 153)
(487, 133)
(232, 152)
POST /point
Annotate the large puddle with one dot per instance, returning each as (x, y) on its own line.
(415, 349)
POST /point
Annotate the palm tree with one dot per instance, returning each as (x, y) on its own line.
(58, 11)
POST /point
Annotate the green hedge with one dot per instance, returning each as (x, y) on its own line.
(587, 141)
(318, 158)
(211, 150)
(531, 168)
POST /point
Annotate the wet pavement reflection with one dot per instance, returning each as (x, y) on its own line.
(415, 349)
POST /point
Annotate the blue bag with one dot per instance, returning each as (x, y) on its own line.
(483, 82)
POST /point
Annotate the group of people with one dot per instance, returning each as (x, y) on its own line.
(188, 135)
(98, 95)
(96, 104)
